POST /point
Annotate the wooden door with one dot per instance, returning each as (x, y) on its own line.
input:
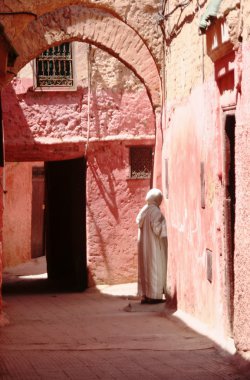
(1, 134)
(65, 223)
(37, 223)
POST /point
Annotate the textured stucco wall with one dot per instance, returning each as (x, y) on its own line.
(113, 202)
(193, 136)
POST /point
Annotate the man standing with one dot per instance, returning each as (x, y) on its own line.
(152, 250)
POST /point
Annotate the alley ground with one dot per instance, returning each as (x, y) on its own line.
(102, 333)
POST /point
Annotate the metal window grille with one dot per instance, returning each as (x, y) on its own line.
(54, 67)
(141, 162)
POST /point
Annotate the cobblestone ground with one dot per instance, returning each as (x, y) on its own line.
(56, 335)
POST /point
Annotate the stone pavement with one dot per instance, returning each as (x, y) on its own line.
(90, 335)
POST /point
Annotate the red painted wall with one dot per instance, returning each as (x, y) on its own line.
(192, 136)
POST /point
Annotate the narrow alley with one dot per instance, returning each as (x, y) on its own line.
(92, 335)
(100, 102)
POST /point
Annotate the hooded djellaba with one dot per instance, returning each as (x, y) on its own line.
(152, 250)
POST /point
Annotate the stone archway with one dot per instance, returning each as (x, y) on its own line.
(96, 27)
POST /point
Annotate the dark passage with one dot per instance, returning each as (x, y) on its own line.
(65, 223)
(230, 210)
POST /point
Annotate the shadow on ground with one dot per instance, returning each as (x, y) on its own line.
(103, 332)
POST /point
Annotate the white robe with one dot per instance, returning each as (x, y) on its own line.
(152, 252)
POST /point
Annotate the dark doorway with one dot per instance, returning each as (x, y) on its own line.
(65, 223)
(230, 210)
(37, 218)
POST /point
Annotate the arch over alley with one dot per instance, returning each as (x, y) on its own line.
(96, 27)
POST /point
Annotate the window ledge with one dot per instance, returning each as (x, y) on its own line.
(137, 179)
(55, 89)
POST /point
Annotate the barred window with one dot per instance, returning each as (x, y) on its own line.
(54, 67)
(141, 162)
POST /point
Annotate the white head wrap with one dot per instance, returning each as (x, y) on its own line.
(154, 196)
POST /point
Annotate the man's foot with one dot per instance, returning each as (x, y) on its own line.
(151, 301)
(155, 301)
(144, 300)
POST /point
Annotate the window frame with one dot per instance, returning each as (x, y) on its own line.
(146, 146)
(38, 88)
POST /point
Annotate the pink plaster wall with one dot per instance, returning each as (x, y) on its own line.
(192, 135)
(17, 213)
(54, 125)
(193, 132)
(113, 202)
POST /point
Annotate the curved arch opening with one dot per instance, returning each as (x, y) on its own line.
(96, 27)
